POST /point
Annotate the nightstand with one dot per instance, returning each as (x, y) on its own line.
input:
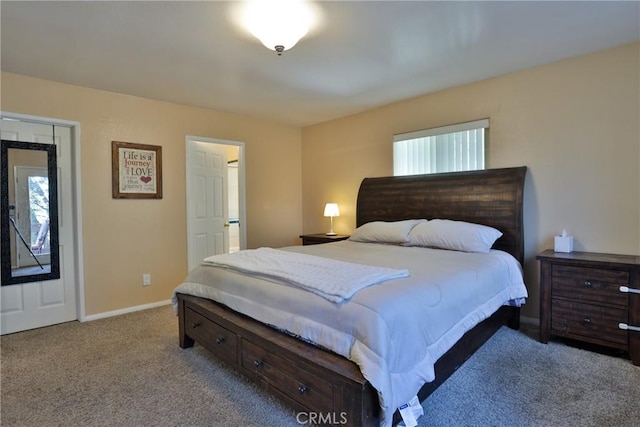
(315, 239)
(592, 298)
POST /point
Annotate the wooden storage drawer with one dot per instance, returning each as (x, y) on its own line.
(586, 322)
(590, 284)
(304, 387)
(214, 337)
(332, 383)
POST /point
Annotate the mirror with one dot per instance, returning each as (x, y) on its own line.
(29, 212)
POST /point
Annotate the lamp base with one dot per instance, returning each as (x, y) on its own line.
(331, 232)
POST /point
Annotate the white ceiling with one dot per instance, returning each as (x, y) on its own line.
(363, 54)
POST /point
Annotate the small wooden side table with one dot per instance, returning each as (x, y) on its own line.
(591, 297)
(316, 239)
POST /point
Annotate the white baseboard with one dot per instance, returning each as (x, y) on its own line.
(124, 311)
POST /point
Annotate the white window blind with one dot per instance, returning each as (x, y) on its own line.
(454, 148)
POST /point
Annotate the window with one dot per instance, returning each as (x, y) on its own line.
(39, 208)
(454, 148)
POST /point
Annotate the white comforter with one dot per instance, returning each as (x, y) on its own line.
(332, 279)
(395, 331)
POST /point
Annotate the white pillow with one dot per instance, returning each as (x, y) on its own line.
(454, 235)
(385, 232)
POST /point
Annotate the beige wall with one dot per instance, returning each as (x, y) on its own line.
(574, 123)
(125, 238)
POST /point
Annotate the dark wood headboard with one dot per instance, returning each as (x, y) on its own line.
(492, 197)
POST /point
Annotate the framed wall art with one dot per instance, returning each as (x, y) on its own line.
(136, 170)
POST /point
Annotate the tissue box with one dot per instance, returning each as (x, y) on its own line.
(563, 244)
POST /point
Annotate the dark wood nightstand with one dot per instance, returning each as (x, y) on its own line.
(591, 297)
(315, 239)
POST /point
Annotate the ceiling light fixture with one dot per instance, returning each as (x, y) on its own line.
(278, 24)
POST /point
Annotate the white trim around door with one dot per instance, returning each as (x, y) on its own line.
(76, 196)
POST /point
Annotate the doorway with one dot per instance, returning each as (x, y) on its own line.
(35, 304)
(215, 198)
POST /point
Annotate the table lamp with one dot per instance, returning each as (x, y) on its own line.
(331, 210)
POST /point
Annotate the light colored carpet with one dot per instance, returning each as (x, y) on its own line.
(129, 371)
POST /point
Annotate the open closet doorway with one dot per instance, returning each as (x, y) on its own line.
(215, 198)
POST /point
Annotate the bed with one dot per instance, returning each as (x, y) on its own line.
(301, 366)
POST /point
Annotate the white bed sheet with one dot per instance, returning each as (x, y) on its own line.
(394, 331)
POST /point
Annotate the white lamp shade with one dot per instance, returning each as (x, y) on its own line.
(278, 23)
(331, 209)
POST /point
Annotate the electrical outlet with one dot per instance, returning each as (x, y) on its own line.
(146, 279)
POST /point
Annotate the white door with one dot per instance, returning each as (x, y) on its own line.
(36, 304)
(207, 201)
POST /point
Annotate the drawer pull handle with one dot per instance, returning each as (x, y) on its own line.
(586, 321)
(258, 363)
(219, 340)
(196, 324)
(587, 284)
(629, 328)
(302, 389)
(629, 290)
